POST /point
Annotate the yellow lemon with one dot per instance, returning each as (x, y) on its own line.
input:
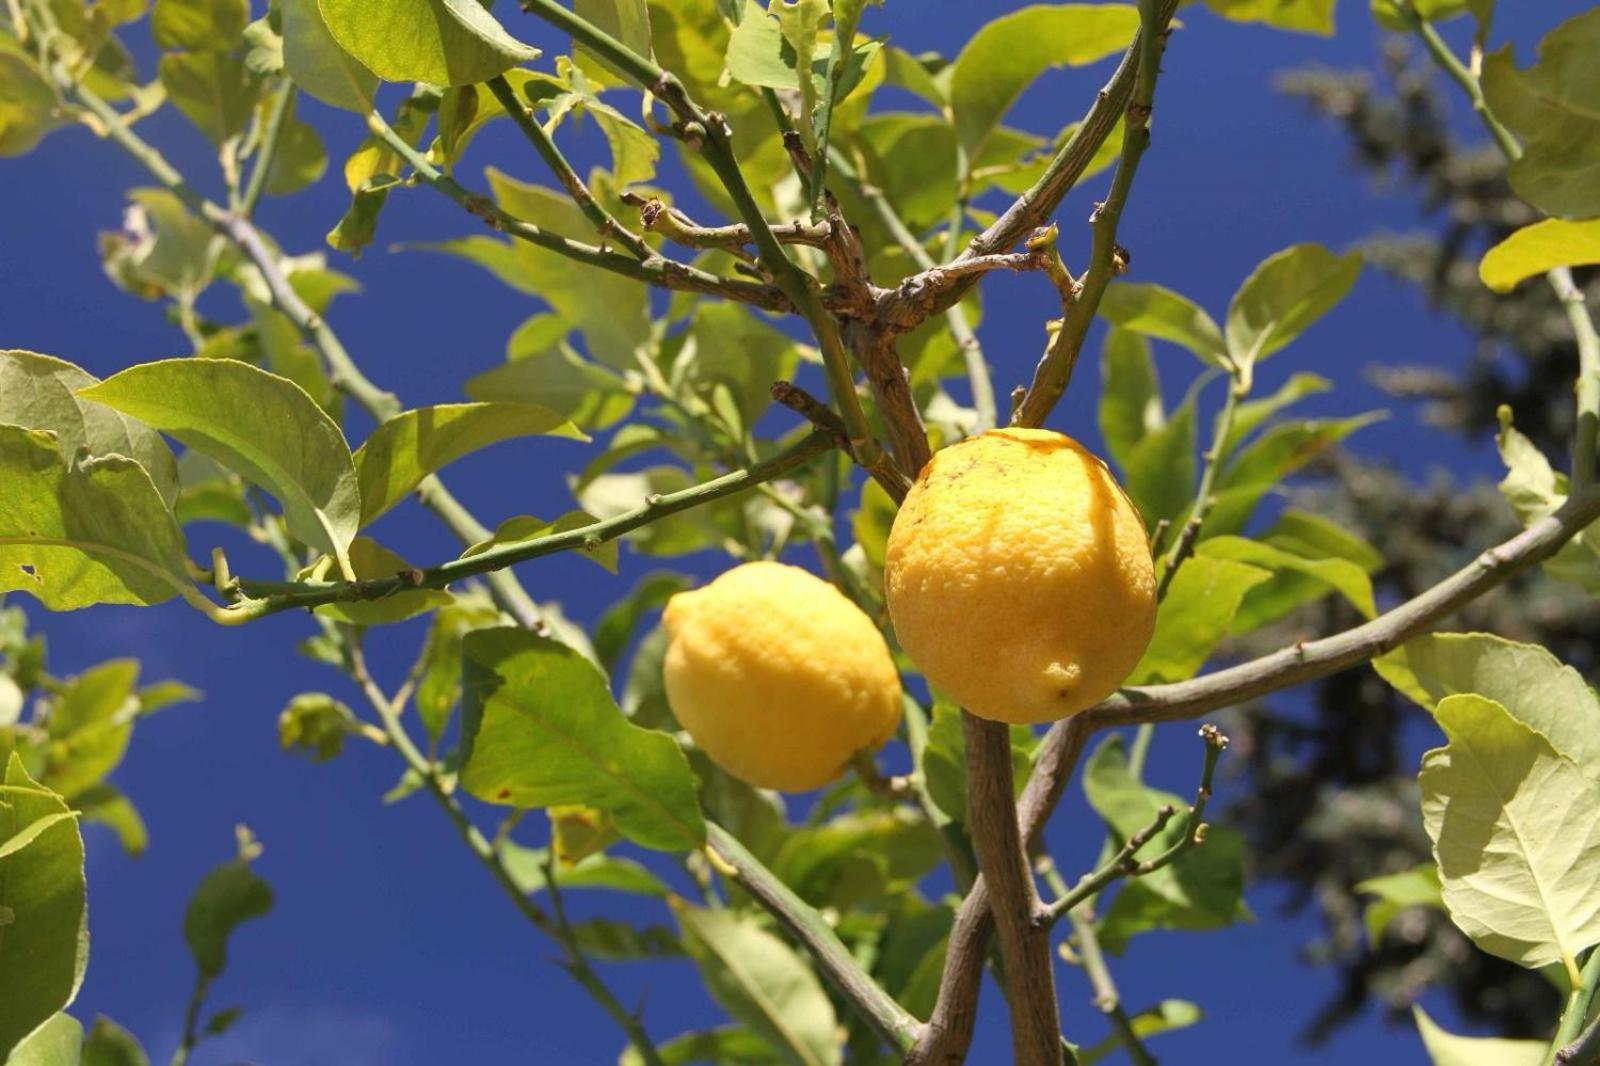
(777, 676)
(1019, 577)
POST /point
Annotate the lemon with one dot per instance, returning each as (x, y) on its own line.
(777, 676)
(1019, 577)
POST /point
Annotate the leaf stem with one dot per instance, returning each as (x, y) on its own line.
(1571, 1045)
(271, 136)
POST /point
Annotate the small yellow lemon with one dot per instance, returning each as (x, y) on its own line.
(777, 676)
(1019, 576)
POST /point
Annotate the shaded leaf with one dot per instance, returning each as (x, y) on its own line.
(316, 725)
(1160, 470)
(1417, 887)
(262, 426)
(1196, 614)
(109, 1044)
(530, 868)
(27, 105)
(1130, 395)
(761, 982)
(412, 445)
(711, 1047)
(93, 532)
(526, 527)
(227, 896)
(40, 392)
(213, 90)
(315, 62)
(1305, 16)
(198, 24)
(617, 626)
(1165, 1017)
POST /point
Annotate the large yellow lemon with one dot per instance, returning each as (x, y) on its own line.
(777, 676)
(1019, 576)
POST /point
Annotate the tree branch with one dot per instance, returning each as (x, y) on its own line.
(891, 1021)
(1126, 863)
(273, 597)
(1034, 207)
(1107, 259)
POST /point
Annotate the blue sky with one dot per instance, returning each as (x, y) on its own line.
(388, 944)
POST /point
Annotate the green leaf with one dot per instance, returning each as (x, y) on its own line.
(109, 1044)
(530, 868)
(761, 983)
(1316, 537)
(1161, 313)
(1533, 686)
(213, 90)
(28, 108)
(1550, 107)
(260, 425)
(1304, 16)
(58, 1042)
(543, 369)
(1295, 580)
(199, 24)
(1416, 887)
(316, 64)
(442, 42)
(1285, 294)
(300, 160)
(1006, 55)
(229, 895)
(412, 445)
(162, 249)
(627, 21)
(40, 392)
(315, 724)
(539, 728)
(735, 349)
(1251, 414)
(1196, 614)
(711, 1047)
(526, 527)
(1200, 890)
(1519, 865)
(45, 946)
(1167, 1016)
(439, 664)
(1543, 246)
(90, 726)
(857, 859)
(1160, 470)
(93, 532)
(1130, 395)
(616, 628)
(371, 560)
(1447, 1049)
(1387, 13)
(105, 805)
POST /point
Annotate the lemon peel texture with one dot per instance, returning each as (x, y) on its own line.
(777, 676)
(1019, 576)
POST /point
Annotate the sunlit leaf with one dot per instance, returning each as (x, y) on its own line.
(45, 945)
(540, 728)
(1306, 16)
(1196, 614)
(1007, 54)
(315, 724)
(442, 42)
(198, 24)
(1165, 1017)
(1161, 313)
(214, 90)
(1543, 246)
(1159, 471)
(1447, 1049)
(1130, 395)
(58, 1042)
(1416, 887)
(1287, 292)
(1519, 861)
(28, 107)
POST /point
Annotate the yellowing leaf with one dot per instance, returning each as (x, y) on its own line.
(1543, 246)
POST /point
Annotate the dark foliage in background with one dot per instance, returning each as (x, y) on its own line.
(1332, 798)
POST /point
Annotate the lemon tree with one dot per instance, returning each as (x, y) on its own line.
(931, 612)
